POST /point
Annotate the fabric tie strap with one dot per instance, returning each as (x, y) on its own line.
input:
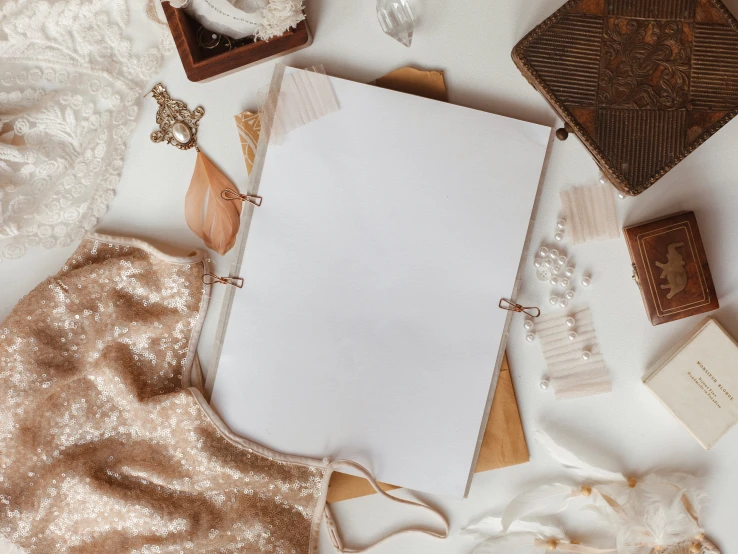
(333, 530)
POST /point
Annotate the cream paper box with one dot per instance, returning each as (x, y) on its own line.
(698, 383)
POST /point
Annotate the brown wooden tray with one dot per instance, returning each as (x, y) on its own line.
(200, 64)
(642, 83)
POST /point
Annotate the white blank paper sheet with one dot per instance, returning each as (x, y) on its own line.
(368, 327)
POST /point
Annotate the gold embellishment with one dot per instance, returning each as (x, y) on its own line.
(632, 482)
(673, 271)
(552, 544)
(586, 490)
(177, 124)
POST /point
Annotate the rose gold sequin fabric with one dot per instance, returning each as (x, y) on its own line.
(104, 450)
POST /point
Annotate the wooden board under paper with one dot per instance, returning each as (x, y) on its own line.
(368, 326)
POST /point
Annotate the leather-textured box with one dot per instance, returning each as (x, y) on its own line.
(670, 267)
(642, 83)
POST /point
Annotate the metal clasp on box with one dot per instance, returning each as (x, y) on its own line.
(636, 277)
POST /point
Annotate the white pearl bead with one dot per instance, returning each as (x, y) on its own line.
(559, 236)
(569, 271)
(561, 224)
(621, 196)
(570, 322)
(530, 337)
(569, 294)
(538, 262)
(181, 132)
(548, 262)
(586, 281)
(554, 300)
(553, 253)
(572, 336)
(528, 325)
(554, 281)
(545, 384)
(603, 180)
(563, 303)
(556, 269)
(561, 260)
(543, 252)
(586, 355)
(564, 282)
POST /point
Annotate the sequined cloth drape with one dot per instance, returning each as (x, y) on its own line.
(106, 445)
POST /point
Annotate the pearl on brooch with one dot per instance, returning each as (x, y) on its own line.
(181, 132)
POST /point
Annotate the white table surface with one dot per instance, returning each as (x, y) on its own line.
(471, 41)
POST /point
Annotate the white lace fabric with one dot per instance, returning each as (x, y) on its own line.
(70, 83)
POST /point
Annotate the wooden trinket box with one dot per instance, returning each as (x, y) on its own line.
(670, 267)
(200, 63)
(642, 83)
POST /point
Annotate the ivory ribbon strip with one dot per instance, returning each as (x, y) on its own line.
(591, 213)
(570, 375)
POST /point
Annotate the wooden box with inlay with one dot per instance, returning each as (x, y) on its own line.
(642, 83)
(670, 267)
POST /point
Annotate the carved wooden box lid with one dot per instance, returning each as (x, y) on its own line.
(642, 83)
(670, 266)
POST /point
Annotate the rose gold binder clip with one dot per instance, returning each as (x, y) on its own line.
(212, 278)
(531, 311)
(230, 194)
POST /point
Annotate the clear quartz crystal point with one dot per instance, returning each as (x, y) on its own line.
(397, 20)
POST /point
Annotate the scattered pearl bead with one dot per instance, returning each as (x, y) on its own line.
(556, 269)
(543, 252)
(559, 236)
(621, 196)
(548, 262)
(554, 300)
(545, 384)
(569, 294)
(586, 355)
(554, 281)
(586, 281)
(563, 303)
(538, 262)
(564, 282)
(553, 253)
(530, 337)
(569, 271)
(561, 224)
(561, 260)
(603, 180)
(528, 325)
(572, 336)
(570, 322)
